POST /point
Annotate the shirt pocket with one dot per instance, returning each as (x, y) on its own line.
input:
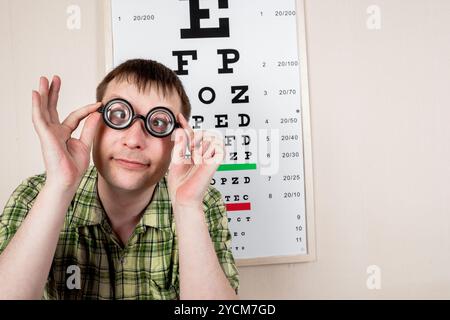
(164, 292)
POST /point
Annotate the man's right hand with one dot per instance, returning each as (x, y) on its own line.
(66, 159)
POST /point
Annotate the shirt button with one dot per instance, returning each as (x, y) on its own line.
(123, 260)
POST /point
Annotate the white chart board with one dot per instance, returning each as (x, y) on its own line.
(243, 65)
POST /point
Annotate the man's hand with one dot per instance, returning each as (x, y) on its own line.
(189, 177)
(66, 159)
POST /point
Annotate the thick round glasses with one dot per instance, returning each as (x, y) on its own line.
(119, 114)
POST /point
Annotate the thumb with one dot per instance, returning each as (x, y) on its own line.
(90, 128)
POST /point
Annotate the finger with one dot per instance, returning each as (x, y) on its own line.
(90, 128)
(38, 119)
(185, 125)
(209, 138)
(53, 99)
(43, 91)
(197, 146)
(202, 140)
(74, 118)
(199, 138)
(179, 149)
(204, 147)
(215, 154)
(213, 149)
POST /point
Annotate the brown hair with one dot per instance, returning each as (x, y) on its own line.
(144, 73)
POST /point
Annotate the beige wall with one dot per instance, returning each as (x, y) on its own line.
(379, 113)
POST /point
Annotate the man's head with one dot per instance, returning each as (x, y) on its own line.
(145, 84)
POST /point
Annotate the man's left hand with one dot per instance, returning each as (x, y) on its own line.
(190, 176)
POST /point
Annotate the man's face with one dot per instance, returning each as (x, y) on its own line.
(134, 143)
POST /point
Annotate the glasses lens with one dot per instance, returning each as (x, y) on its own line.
(161, 122)
(118, 114)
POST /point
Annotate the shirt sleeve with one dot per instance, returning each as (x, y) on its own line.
(17, 207)
(217, 220)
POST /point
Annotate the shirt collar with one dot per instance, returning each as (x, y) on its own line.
(88, 210)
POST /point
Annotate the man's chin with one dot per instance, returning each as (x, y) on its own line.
(127, 184)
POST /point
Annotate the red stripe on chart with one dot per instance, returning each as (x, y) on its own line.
(238, 206)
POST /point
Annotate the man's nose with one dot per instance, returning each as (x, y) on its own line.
(135, 136)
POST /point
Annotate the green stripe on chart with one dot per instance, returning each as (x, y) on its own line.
(237, 166)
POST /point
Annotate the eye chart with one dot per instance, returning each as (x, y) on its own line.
(243, 65)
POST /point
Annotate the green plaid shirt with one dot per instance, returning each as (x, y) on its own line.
(146, 268)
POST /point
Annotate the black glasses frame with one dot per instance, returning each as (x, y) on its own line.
(135, 116)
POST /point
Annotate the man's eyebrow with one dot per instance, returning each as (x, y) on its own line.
(115, 96)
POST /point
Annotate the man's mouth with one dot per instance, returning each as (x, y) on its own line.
(130, 164)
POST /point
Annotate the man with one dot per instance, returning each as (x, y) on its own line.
(140, 223)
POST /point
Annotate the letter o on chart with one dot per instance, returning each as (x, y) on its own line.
(211, 98)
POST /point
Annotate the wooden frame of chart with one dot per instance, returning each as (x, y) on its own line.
(244, 68)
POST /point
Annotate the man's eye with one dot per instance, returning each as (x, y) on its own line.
(120, 114)
(118, 117)
(159, 122)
